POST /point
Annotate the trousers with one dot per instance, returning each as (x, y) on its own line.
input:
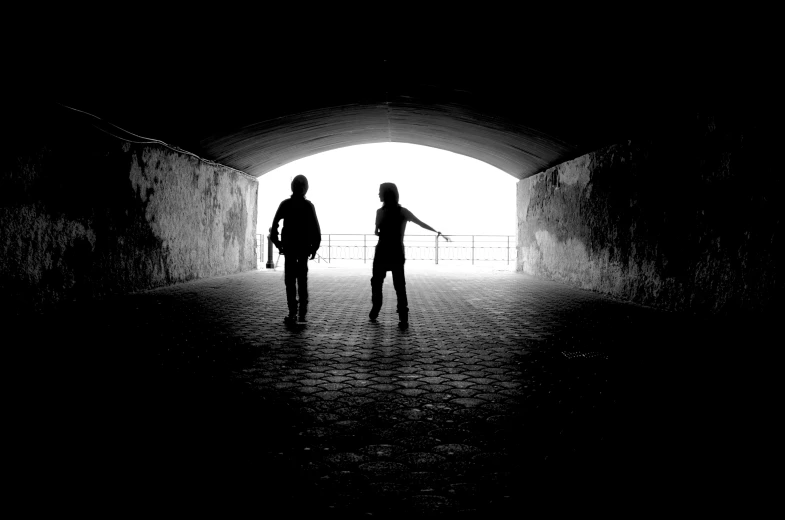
(296, 280)
(379, 273)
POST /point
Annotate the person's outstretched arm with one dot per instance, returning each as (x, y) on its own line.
(424, 225)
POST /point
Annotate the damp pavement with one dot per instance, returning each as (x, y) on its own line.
(507, 395)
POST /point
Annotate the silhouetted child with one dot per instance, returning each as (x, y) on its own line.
(301, 237)
(391, 221)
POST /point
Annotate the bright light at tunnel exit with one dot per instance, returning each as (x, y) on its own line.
(454, 194)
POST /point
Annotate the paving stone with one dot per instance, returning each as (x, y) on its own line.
(462, 469)
(354, 391)
(324, 418)
(416, 414)
(468, 401)
(456, 451)
(339, 442)
(485, 388)
(494, 398)
(410, 383)
(383, 470)
(460, 384)
(411, 392)
(382, 451)
(420, 481)
(317, 433)
(408, 428)
(467, 493)
(388, 491)
(437, 396)
(430, 388)
(462, 392)
(417, 442)
(421, 460)
(472, 412)
(384, 387)
(449, 435)
(329, 394)
(431, 504)
(343, 480)
(385, 380)
(344, 460)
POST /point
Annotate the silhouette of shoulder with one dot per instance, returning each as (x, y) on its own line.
(291, 204)
(405, 213)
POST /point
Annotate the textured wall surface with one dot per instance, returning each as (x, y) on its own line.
(85, 215)
(684, 222)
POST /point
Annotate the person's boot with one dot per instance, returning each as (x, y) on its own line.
(403, 320)
(292, 317)
(303, 312)
(374, 312)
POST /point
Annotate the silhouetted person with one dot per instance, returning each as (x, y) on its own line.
(301, 237)
(391, 221)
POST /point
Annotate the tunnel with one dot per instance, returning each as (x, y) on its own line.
(648, 245)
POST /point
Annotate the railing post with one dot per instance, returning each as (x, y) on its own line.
(329, 250)
(472, 249)
(437, 250)
(270, 264)
(508, 249)
(364, 248)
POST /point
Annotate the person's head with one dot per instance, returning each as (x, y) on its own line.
(388, 193)
(299, 185)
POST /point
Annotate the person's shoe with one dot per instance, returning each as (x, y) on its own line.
(404, 320)
(301, 318)
(291, 319)
(373, 314)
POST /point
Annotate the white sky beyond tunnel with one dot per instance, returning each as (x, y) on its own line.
(454, 194)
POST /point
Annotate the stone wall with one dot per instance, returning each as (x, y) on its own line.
(684, 221)
(85, 214)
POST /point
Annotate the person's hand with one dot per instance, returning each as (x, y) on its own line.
(313, 255)
(280, 250)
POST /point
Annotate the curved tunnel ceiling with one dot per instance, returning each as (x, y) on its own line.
(519, 110)
(260, 148)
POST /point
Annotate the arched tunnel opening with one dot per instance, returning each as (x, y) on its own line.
(645, 256)
(473, 202)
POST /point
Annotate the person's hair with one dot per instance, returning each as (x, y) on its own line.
(389, 192)
(299, 185)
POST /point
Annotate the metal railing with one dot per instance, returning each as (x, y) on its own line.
(349, 246)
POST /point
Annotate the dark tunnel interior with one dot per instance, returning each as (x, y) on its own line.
(625, 368)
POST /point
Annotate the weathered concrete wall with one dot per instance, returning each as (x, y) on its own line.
(685, 222)
(84, 215)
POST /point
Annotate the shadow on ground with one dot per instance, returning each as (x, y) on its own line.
(507, 395)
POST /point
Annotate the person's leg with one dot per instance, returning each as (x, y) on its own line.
(377, 280)
(399, 282)
(302, 285)
(290, 280)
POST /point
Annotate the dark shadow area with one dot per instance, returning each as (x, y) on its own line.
(166, 396)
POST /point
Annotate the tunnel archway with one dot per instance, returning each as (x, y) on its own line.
(514, 148)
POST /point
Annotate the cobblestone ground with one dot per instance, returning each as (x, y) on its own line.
(506, 395)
